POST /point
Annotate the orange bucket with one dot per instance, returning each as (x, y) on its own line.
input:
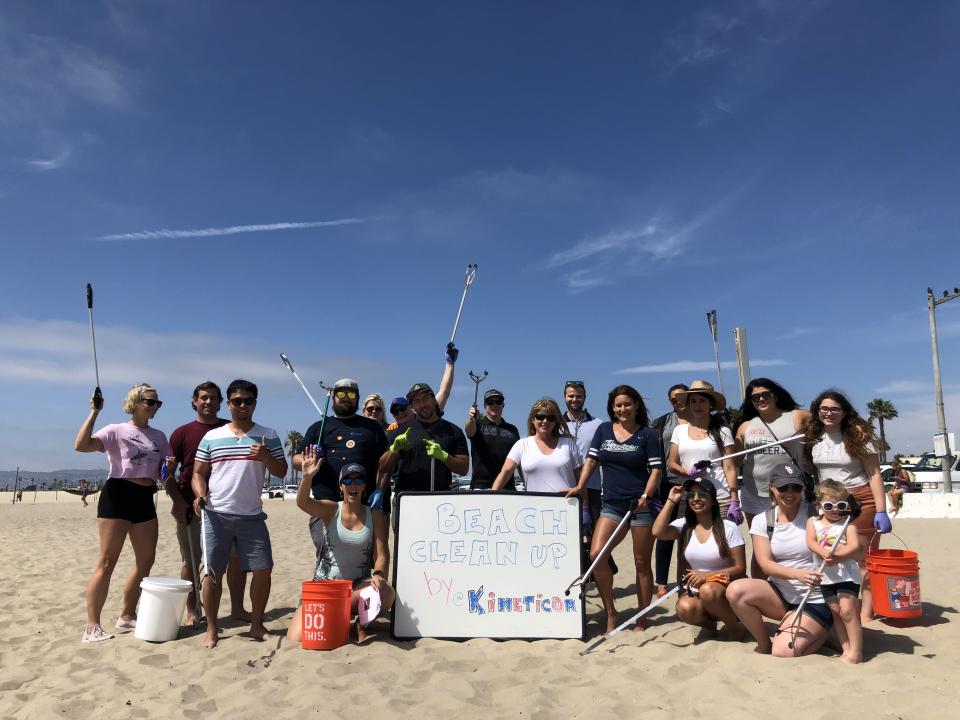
(895, 583)
(325, 614)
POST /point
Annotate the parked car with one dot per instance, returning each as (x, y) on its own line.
(273, 491)
(928, 473)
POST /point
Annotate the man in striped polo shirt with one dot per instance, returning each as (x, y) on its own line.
(227, 480)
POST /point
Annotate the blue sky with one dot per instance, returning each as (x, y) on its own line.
(238, 181)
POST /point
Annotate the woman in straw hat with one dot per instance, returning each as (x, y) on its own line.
(706, 437)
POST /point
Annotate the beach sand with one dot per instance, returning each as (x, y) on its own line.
(911, 670)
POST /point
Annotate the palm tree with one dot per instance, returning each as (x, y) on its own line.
(881, 410)
(294, 440)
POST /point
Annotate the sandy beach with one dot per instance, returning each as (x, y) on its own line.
(911, 670)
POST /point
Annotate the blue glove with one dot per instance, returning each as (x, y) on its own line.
(451, 354)
(319, 451)
(376, 500)
(734, 513)
(881, 522)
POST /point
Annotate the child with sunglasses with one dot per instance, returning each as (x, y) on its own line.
(841, 572)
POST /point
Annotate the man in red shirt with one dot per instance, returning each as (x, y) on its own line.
(183, 444)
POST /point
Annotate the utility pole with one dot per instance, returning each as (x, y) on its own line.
(932, 303)
(743, 359)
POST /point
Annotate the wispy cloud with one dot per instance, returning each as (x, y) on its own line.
(799, 332)
(53, 163)
(679, 366)
(229, 230)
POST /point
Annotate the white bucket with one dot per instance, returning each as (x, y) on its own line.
(162, 603)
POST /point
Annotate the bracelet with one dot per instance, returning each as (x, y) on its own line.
(378, 572)
(668, 500)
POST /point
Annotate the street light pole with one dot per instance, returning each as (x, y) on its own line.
(932, 303)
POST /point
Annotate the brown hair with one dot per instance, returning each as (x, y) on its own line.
(855, 431)
(548, 406)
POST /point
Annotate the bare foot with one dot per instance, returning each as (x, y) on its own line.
(611, 623)
(640, 625)
(362, 634)
(210, 640)
(259, 633)
(240, 615)
(851, 659)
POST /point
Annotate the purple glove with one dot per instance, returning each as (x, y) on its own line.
(881, 522)
(734, 514)
(451, 353)
(695, 471)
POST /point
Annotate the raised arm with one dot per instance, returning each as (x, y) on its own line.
(323, 509)
(85, 441)
(446, 382)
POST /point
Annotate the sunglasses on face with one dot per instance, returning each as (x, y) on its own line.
(238, 401)
(352, 480)
(698, 495)
(373, 409)
(341, 394)
(792, 487)
(150, 402)
(766, 395)
(548, 418)
(495, 401)
(398, 410)
(839, 505)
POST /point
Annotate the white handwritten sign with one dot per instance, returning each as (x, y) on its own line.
(486, 565)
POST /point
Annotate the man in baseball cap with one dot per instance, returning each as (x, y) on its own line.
(491, 438)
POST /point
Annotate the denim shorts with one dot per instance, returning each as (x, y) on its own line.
(818, 611)
(616, 509)
(830, 592)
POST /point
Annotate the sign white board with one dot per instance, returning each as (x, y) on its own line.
(486, 565)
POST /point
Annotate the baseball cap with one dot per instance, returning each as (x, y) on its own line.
(491, 393)
(704, 483)
(418, 388)
(399, 403)
(346, 383)
(786, 474)
(352, 469)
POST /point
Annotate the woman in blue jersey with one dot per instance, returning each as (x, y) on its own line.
(354, 543)
(627, 452)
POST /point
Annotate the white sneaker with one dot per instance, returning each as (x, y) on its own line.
(126, 623)
(95, 635)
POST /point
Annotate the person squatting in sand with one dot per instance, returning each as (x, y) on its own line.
(354, 539)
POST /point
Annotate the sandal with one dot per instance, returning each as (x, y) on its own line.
(95, 634)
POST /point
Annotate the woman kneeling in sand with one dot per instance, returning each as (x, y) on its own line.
(355, 539)
(713, 548)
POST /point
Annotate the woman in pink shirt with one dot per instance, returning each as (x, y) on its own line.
(135, 451)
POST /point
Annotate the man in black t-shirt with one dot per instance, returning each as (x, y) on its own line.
(427, 440)
(491, 438)
(347, 438)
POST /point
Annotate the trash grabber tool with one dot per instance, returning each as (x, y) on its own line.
(708, 463)
(93, 340)
(286, 361)
(477, 379)
(794, 626)
(603, 638)
(467, 282)
(604, 551)
(323, 415)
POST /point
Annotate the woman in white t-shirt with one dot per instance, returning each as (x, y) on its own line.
(780, 546)
(549, 458)
(713, 549)
(706, 437)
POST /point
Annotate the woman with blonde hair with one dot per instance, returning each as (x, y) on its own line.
(373, 408)
(548, 458)
(135, 451)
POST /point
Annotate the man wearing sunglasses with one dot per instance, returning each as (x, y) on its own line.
(347, 438)
(184, 442)
(228, 476)
(491, 438)
(427, 443)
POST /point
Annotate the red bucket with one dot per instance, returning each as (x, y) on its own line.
(895, 583)
(325, 614)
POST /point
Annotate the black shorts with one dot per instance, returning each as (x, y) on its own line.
(124, 500)
(818, 611)
(849, 587)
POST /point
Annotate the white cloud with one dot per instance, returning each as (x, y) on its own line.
(229, 230)
(694, 366)
(799, 332)
(52, 163)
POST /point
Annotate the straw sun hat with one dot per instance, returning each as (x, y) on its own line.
(702, 387)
